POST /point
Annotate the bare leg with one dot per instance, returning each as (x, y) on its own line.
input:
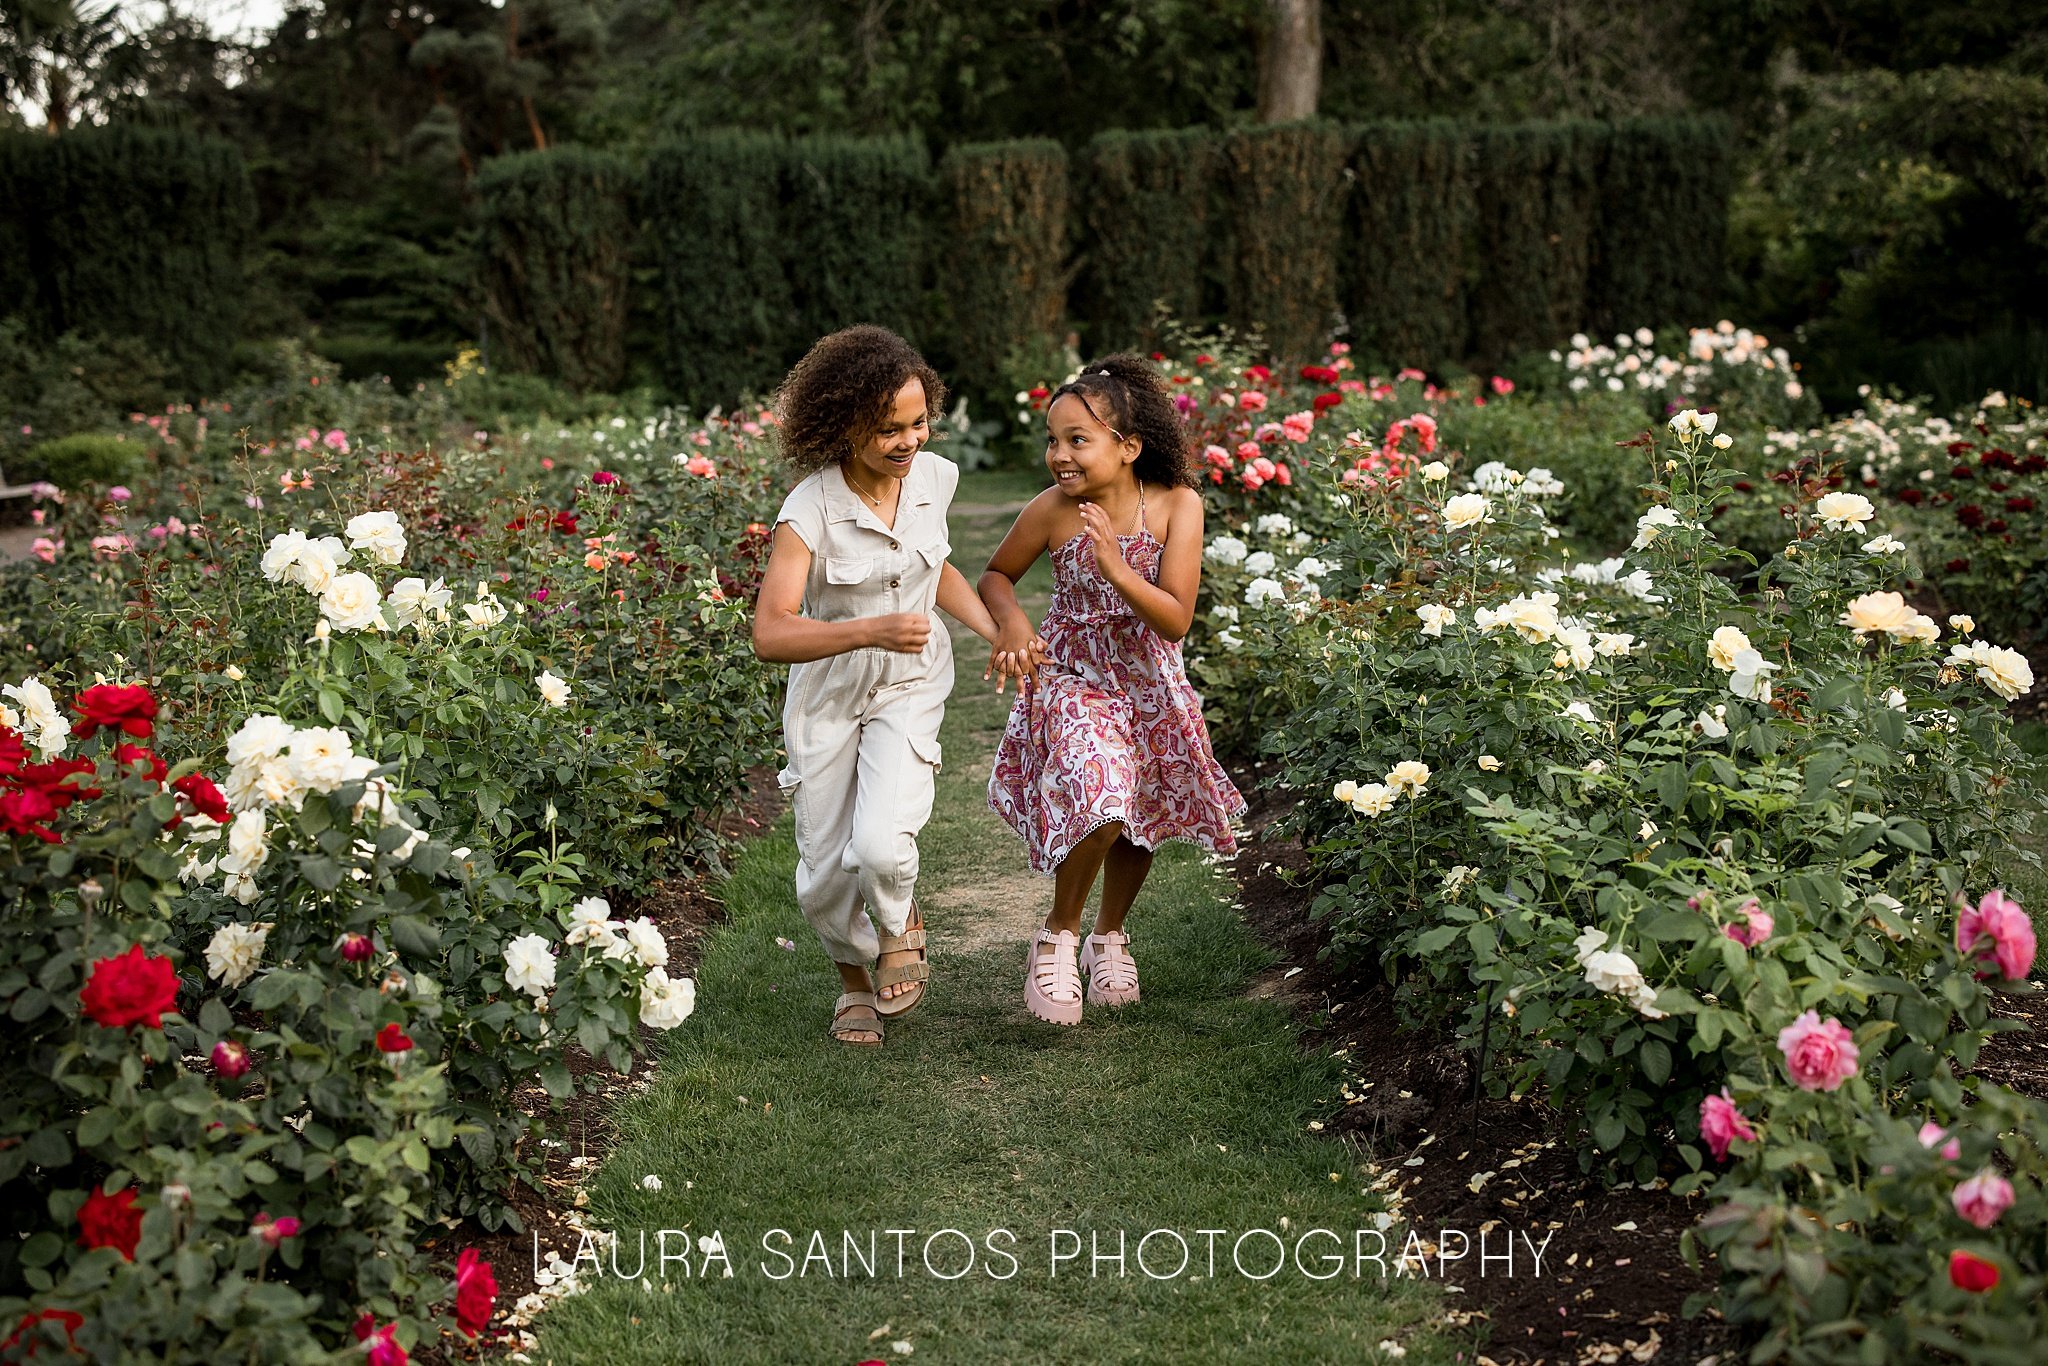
(1123, 873)
(1075, 878)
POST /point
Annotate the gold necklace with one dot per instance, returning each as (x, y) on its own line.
(873, 501)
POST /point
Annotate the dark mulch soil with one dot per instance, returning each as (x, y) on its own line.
(578, 1133)
(1612, 1275)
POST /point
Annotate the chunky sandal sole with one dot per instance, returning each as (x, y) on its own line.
(1036, 1001)
(1099, 995)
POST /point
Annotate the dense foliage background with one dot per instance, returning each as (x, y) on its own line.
(1890, 180)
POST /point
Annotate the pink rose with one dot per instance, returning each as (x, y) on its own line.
(1721, 1124)
(1932, 1133)
(1503, 385)
(1253, 480)
(1298, 427)
(1247, 451)
(1999, 920)
(1409, 373)
(702, 467)
(1264, 468)
(1819, 1054)
(1982, 1198)
(45, 549)
(120, 493)
(1251, 401)
(1758, 928)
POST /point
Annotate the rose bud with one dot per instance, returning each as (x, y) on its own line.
(357, 948)
(230, 1059)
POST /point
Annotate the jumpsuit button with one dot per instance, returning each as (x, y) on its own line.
(894, 546)
(894, 582)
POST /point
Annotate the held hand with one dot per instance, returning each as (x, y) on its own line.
(903, 632)
(1015, 653)
(1109, 555)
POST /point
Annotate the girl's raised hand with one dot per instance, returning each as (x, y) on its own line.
(1109, 555)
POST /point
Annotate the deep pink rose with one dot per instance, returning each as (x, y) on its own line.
(1971, 1273)
(1999, 925)
(1721, 1124)
(230, 1059)
(1819, 1054)
(1251, 401)
(1982, 1198)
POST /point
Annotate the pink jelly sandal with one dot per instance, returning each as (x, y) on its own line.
(1052, 985)
(1112, 972)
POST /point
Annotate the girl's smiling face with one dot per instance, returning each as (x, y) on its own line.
(1085, 457)
(892, 449)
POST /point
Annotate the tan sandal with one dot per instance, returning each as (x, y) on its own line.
(854, 1013)
(918, 971)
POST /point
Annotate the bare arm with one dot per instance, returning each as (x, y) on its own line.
(959, 601)
(783, 635)
(1168, 606)
(1029, 538)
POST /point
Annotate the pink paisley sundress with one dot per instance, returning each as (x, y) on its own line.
(1111, 730)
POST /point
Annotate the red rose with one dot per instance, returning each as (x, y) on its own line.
(206, 799)
(110, 1221)
(53, 780)
(71, 1319)
(476, 1291)
(129, 709)
(127, 756)
(392, 1039)
(129, 989)
(1319, 374)
(565, 522)
(24, 811)
(1259, 373)
(1973, 1274)
(604, 477)
(1322, 403)
(271, 1232)
(356, 948)
(13, 754)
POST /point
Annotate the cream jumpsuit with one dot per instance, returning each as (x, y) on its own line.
(862, 728)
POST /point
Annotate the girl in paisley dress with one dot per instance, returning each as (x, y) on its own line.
(1106, 755)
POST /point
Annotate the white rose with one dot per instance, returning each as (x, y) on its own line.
(48, 728)
(1885, 545)
(1728, 642)
(1886, 612)
(588, 920)
(1436, 471)
(246, 849)
(1653, 524)
(1263, 590)
(322, 758)
(1345, 791)
(1962, 624)
(1575, 648)
(1895, 699)
(378, 535)
(414, 604)
(1588, 943)
(554, 691)
(1373, 799)
(646, 942)
(666, 1002)
(1410, 776)
(282, 553)
(1533, 617)
(351, 602)
(317, 562)
(1311, 568)
(1260, 562)
(1613, 970)
(1489, 764)
(1225, 550)
(530, 965)
(1844, 511)
(1919, 628)
(1751, 677)
(260, 737)
(1467, 509)
(486, 611)
(1612, 643)
(1274, 524)
(234, 952)
(1435, 617)
(1579, 711)
(1711, 725)
(2005, 672)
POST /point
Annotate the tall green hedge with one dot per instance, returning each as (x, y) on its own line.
(715, 232)
(1145, 210)
(1285, 189)
(1410, 240)
(1006, 267)
(1661, 250)
(128, 231)
(857, 232)
(554, 262)
(1539, 210)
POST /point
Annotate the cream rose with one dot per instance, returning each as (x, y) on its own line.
(1844, 511)
(352, 603)
(1465, 510)
(378, 535)
(1886, 612)
(1728, 642)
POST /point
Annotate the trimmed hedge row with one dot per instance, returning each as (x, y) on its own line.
(128, 231)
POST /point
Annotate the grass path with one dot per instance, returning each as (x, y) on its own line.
(1186, 1112)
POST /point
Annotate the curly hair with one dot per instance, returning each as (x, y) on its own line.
(840, 393)
(1125, 393)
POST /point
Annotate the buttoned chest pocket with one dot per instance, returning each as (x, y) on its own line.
(935, 554)
(846, 570)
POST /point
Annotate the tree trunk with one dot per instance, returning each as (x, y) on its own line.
(1291, 61)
